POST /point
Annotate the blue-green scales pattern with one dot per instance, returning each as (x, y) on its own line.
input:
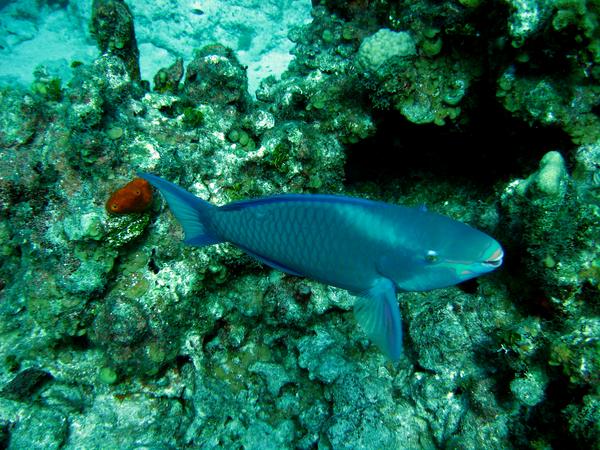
(369, 248)
(305, 238)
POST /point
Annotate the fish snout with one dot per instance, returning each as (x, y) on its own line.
(495, 259)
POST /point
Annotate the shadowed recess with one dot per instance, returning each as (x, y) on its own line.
(490, 148)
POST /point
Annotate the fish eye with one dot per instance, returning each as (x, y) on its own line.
(431, 256)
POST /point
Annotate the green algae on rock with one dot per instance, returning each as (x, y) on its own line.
(167, 79)
(148, 341)
(111, 25)
(216, 76)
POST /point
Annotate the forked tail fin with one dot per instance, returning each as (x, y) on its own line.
(193, 213)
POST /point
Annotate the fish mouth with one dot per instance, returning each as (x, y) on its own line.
(495, 260)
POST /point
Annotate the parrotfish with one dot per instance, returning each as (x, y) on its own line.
(370, 248)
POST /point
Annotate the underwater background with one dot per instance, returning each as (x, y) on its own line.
(116, 335)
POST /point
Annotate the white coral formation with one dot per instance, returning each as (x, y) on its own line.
(384, 45)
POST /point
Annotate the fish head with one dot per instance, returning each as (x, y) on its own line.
(448, 252)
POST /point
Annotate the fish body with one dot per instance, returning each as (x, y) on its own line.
(369, 248)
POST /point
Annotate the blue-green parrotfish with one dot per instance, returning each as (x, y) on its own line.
(370, 248)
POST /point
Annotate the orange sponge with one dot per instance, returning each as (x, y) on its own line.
(135, 196)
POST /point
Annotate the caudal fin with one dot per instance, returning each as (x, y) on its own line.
(192, 212)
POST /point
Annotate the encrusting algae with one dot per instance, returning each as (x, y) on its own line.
(109, 322)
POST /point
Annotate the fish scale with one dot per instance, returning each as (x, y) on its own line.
(369, 248)
(288, 232)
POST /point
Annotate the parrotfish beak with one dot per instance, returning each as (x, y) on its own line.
(495, 259)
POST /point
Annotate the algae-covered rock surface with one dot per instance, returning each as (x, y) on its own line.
(116, 334)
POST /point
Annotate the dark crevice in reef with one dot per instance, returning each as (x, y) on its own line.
(77, 343)
(490, 148)
(545, 421)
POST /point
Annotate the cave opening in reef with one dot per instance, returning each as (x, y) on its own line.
(485, 148)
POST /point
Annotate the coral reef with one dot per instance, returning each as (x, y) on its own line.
(167, 79)
(111, 25)
(215, 76)
(555, 83)
(114, 334)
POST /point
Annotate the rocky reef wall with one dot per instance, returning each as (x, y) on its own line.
(114, 334)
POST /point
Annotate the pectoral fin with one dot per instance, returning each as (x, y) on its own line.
(378, 314)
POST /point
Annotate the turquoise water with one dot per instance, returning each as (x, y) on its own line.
(116, 334)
